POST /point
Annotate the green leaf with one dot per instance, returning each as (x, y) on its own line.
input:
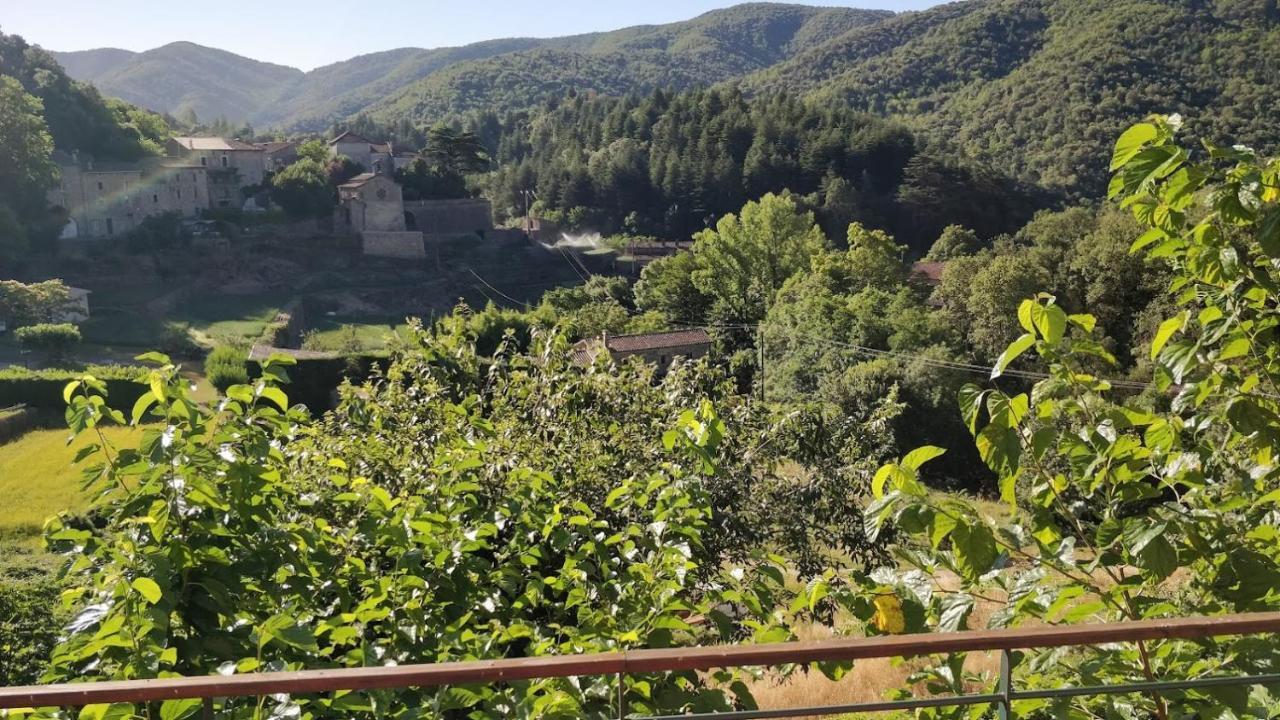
(943, 524)
(148, 589)
(275, 395)
(1131, 143)
(918, 457)
(975, 549)
(144, 403)
(179, 709)
(971, 397)
(1166, 331)
(881, 479)
(955, 610)
(1016, 349)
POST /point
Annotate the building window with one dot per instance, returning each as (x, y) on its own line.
(224, 161)
(111, 227)
(155, 199)
(179, 193)
(99, 186)
(204, 161)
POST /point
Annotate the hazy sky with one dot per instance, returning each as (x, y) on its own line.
(310, 33)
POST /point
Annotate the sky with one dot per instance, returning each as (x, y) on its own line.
(308, 33)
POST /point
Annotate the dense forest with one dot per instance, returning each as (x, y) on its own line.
(669, 164)
(1040, 87)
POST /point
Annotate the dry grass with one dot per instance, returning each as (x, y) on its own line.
(870, 680)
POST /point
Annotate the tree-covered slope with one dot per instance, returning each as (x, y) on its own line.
(77, 116)
(714, 47)
(1039, 87)
(183, 77)
(89, 65)
(422, 85)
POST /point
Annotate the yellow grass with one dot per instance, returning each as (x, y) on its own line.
(37, 478)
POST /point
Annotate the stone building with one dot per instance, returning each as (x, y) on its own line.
(232, 165)
(372, 207)
(660, 349)
(372, 156)
(105, 199)
(277, 156)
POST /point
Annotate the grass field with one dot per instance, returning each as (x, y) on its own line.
(330, 333)
(37, 478)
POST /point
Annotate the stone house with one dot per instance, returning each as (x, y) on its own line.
(372, 156)
(371, 202)
(110, 199)
(372, 207)
(232, 165)
(660, 349)
(277, 156)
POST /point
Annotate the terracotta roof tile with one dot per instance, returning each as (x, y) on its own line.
(655, 341)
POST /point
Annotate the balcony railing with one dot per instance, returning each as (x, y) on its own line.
(621, 664)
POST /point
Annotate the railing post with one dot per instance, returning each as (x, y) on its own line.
(206, 709)
(622, 697)
(1005, 687)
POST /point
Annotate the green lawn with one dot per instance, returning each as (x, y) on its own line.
(37, 478)
(329, 333)
(210, 317)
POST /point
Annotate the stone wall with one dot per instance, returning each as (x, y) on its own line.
(407, 245)
(451, 217)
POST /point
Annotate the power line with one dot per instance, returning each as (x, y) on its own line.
(491, 287)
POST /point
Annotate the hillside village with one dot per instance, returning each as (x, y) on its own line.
(199, 174)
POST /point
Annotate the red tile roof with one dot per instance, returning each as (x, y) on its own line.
(656, 341)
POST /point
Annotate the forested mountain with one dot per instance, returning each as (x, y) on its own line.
(89, 65)
(513, 73)
(1040, 87)
(183, 78)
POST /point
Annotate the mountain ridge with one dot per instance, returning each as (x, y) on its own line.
(713, 47)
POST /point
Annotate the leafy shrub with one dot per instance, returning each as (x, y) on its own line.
(54, 340)
(175, 340)
(339, 545)
(226, 366)
(1136, 510)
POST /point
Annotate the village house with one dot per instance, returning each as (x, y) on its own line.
(660, 349)
(277, 156)
(371, 206)
(232, 165)
(109, 199)
(372, 156)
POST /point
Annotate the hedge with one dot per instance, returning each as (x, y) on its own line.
(42, 389)
(312, 381)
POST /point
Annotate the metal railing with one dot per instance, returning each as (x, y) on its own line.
(621, 664)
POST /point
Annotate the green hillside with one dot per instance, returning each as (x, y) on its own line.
(422, 84)
(1040, 87)
(183, 77)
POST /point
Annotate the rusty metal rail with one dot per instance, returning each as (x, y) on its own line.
(684, 659)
